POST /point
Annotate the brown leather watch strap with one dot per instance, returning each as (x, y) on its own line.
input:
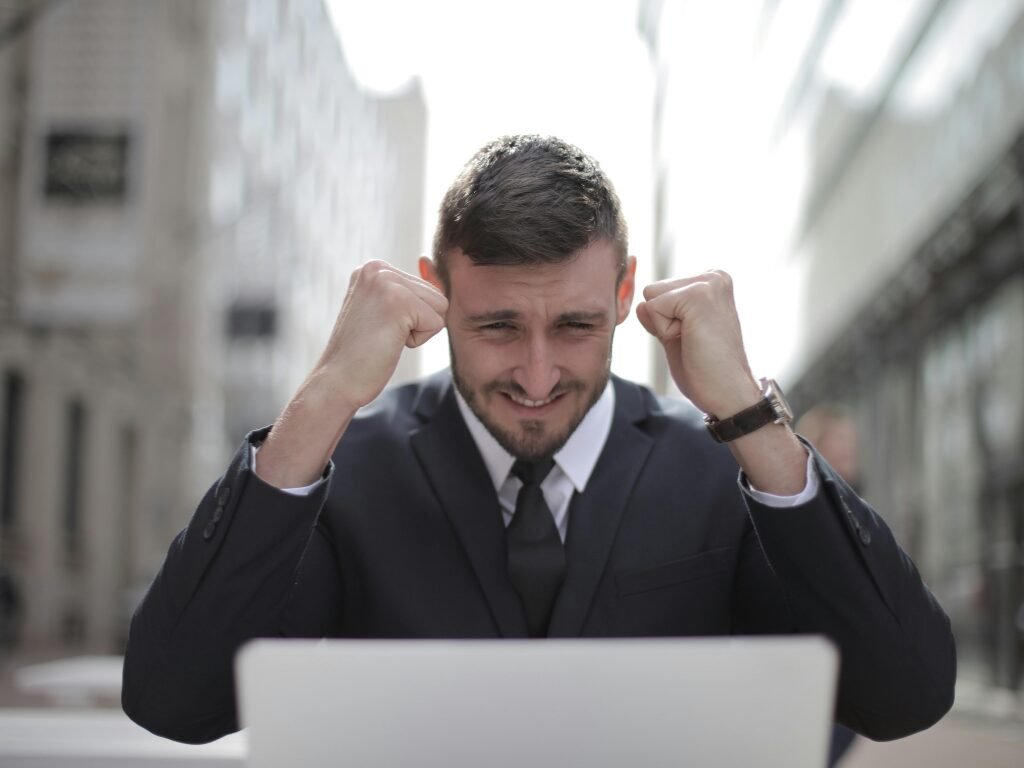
(743, 423)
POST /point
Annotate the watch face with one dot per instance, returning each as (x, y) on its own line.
(783, 413)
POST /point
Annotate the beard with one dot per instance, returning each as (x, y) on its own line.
(534, 441)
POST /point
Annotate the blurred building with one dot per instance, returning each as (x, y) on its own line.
(872, 159)
(185, 189)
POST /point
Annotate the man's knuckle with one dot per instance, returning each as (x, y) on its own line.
(722, 279)
(703, 291)
(393, 294)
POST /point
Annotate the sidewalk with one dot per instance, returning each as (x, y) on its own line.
(962, 739)
(958, 741)
(11, 694)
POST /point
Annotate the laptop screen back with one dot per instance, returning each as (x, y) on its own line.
(596, 703)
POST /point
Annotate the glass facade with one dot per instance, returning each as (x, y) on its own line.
(857, 168)
(933, 368)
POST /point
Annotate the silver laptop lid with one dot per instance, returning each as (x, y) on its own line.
(596, 703)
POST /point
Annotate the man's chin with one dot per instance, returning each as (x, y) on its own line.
(526, 439)
(530, 442)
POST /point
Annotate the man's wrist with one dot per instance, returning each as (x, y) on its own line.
(303, 490)
(811, 487)
(771, 408)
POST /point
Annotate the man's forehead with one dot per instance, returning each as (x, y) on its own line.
(577, 286)
(597, 260)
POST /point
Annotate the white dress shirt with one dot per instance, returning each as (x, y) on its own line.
(574, 464)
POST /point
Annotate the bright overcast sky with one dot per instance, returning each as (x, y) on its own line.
(578, 70)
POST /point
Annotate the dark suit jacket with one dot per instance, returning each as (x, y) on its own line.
(408, 542)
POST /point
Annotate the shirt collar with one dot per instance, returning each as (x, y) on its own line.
(577, 458)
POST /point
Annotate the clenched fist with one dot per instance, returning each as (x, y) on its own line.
(695, 320)
(384, 311)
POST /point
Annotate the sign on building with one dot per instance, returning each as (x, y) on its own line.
(86, 167)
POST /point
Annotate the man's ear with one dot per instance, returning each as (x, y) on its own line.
(624, 293)
(428, 271)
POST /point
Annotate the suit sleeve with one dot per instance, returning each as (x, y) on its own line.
(226, 579)
(843, 575)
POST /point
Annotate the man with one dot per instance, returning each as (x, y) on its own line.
(361, 515)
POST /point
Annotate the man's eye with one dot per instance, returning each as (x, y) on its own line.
(578, 326)
(498, 326)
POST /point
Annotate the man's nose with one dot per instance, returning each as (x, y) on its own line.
(538, 371)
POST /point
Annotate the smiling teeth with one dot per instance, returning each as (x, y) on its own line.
(532, 403)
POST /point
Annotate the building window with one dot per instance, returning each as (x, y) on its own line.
(73, 480)
(128, 445)
(251, 319)
(10, 448)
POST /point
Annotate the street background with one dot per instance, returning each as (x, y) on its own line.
(186, 186)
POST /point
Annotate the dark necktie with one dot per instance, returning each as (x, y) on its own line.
(536, 558)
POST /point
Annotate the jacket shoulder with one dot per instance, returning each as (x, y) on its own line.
(640, 404)
(675, 424)
(398, 410)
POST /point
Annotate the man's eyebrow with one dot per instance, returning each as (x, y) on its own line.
(583, 317)
(500, 315)
(493, 317)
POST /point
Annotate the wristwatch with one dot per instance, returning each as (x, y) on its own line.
(772, 408)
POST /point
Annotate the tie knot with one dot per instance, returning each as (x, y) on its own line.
(532, 472)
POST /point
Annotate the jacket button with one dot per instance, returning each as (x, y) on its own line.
(865, 536)
(223, 494)
(218, 513)
(209, 530)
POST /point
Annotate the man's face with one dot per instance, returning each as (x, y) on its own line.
(531, 344)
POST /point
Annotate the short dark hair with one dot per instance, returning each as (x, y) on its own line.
(528, 200)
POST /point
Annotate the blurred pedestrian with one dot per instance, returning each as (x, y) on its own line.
(10, 609)
(833, 431)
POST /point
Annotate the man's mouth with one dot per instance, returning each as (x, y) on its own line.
(526, 402)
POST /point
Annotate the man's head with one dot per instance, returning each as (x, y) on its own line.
(528, 200)
(531, 251)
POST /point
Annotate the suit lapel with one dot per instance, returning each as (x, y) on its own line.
(458, 476)
(594, 515)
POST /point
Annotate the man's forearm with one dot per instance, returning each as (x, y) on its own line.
(305, 435)
(384, 311)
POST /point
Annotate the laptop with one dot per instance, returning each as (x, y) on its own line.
(651, 703)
